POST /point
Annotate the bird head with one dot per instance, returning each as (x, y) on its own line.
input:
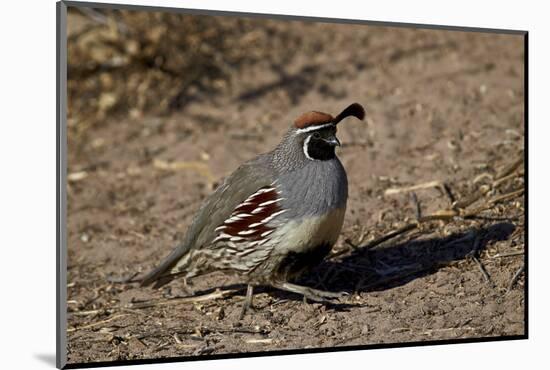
(316, 131)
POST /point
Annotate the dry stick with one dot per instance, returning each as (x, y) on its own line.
(482, 269)
(390, 235)
(511, 167)
(89, 312)
(449, 214)
(96, 323)
(516, 277)
(447, 190)
(473, 255)
(446, 215)
(509, 254)
(463, 203)
(261, 341)
(407, 189)
(442, 215)
(507, 196)
(431, 331)
(206, 297)
(351, 244)
(416, 204)
(491, 202)
(478, 178)
(496, 183)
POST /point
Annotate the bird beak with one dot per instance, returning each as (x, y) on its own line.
(333, 141)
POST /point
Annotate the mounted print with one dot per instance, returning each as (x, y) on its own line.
(235, 184)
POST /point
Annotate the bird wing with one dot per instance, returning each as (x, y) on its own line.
(217, 208)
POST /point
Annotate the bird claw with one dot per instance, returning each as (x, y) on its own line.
(313, 294)
(323, 296)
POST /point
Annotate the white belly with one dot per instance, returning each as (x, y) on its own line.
(307, 233)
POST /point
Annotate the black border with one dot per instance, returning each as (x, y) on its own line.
(59, 250)
(525, 176)
(291, 352)
(61, 175)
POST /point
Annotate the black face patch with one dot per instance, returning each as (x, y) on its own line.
(319, 145)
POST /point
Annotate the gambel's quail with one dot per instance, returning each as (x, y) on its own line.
(275, 217)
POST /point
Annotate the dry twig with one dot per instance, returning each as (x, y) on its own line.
(515, 278)
(193, 299)
(508, 169)
(164, 302)
(416, 204)
(457, 209)
(426, 185)
(483, 270)
(96, 323)
(508, 254)
(447, 190)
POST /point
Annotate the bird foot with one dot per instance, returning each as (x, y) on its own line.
(312, 294)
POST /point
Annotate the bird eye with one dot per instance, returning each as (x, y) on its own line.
(316, 135)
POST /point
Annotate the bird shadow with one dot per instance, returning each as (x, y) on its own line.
(367, 270)
(382, 268)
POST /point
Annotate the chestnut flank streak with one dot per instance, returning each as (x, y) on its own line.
(248, 222)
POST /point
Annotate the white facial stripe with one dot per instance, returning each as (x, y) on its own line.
(306, 142)
(313, 128)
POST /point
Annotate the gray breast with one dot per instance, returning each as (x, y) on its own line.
(314, 189)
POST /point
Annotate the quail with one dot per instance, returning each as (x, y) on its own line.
(277, 216)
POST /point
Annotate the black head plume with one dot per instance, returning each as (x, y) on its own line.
(315, 118)
(356, 110)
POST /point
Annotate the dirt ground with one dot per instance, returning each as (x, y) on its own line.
(442, 106)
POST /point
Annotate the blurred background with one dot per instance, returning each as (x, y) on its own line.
(127, 64)
(162, 106)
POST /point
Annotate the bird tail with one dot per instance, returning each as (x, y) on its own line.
(158, 279)
(163, 274)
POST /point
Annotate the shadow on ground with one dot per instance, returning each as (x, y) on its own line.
(391, 266)
(383, 268)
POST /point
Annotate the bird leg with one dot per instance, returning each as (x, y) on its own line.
(310, 293)
(248, 300)
(186, 288)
